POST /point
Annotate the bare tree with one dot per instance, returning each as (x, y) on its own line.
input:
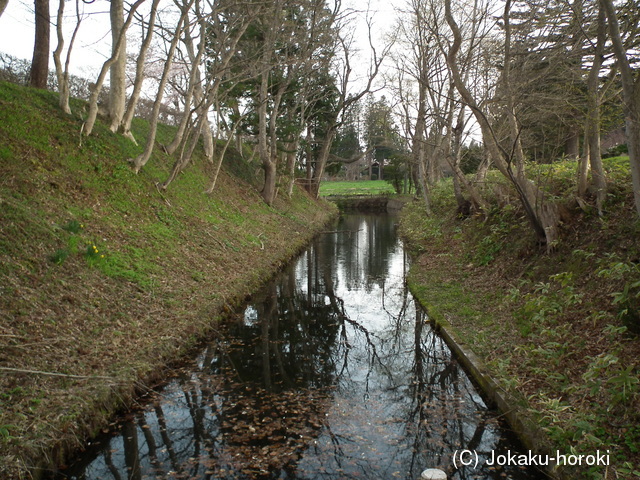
(292, 143)
(557, 53)
(192, 65)
(592, 127)
(419, 65)
(227, 26)
(267, 141)
(218, 165)
(429, 102)
(62, 74)
(125, 126)
(631, 93)
(293, 40)
(95, 92)
(315, 51)
(346, 99)
(141, 160)
(542, 214)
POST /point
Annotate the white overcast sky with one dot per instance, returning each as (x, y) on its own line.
(93, 43)
(17, 32)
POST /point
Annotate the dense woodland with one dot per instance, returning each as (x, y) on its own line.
(468, 87)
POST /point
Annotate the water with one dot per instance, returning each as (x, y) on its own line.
(331, 372)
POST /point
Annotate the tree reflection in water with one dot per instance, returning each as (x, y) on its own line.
(331, 372)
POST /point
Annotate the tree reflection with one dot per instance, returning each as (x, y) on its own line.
(330, 372)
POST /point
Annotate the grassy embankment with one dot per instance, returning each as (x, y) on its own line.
(104, 279)
(555, 330)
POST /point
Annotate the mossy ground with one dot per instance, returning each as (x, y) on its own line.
(559, 329)
(104, 279)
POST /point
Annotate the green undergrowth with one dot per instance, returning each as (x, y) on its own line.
(559, 330)
(105, 278)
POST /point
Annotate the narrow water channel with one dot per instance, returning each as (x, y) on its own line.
(331, 372)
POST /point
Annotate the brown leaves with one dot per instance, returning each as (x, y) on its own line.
(267, 431)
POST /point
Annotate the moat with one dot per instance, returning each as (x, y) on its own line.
(331, 371)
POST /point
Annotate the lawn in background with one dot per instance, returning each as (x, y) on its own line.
(359, 187)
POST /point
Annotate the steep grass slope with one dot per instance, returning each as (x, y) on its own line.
(104, 279)
(560, 332)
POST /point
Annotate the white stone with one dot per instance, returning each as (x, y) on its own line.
(433, 474)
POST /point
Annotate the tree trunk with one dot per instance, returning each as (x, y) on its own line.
(40, 62)
(292, 147)
(572, 146)
(62, 74)
(269, 188)
(434, 154)
(117, 73)
(418, 144)
(267, 131)
(207, 135)
(308, 155)
(483, 169)
(182, 126)
(542, 214)
(3, 5)
(423, 183)
(263, 149)
(459, 180)
(216, 171)
(321, 161)
(292, 150)
(63, 83)
(137, 83)
(186, 152)
(593, 117)
(584, 167)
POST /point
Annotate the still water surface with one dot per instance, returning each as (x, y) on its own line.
(331, 372)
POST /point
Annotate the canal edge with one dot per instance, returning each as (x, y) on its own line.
(531, 436)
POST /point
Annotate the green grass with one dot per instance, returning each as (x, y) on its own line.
(360, 187)
(559, 178)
